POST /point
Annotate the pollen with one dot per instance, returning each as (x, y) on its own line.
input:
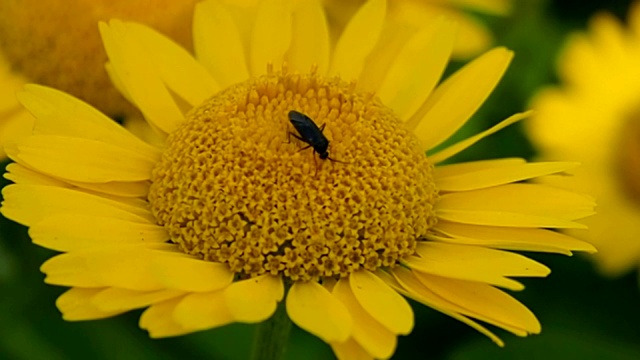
(234, 187)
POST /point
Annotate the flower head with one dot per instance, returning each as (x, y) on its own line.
(230, 215)
(594, 117)
(60, 46)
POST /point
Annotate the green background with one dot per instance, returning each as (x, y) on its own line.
(583, 315)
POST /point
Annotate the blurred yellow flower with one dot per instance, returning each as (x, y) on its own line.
(594, 117)
(472, 36)
(227, 217)
(57, 44)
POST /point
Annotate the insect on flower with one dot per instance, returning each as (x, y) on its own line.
(310, 134)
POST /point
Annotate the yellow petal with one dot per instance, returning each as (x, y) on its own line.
(135, 189)
(473, 36)
(504, 218)
(271, 36)
(200, 311)
(125, 267)
(474, 263)
(76, 304)
(310, 43)
(115, 299)
(358, 40)
(53, 109)
(460, 168)
(254, 300)
(537, 201)
(458, 147)
(314, 309)
(190, 274)
(71, 232)
(217, 43)
(117, 82)
(381, 302)
(350, 350)
(82, 160)
(16, 124)
(511, 238)
(458, 97)
(499, 308)
(458, 177)
(22, 175)
(404, 279)
(159, 320)
(29, 204)
(178, 69)
(142, 82)
(415, 72)
(374, 337)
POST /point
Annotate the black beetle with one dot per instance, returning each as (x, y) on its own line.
(310, 134)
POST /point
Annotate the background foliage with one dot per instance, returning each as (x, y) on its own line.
(584, 316)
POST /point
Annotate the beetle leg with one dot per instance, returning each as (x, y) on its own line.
(297, 137)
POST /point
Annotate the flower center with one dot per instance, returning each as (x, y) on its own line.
(629, 158)
(234, 187)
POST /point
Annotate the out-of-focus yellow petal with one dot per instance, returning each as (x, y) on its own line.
(271, 36)
(358, 40)
(313, 308)
(310, 43)
(218, 44)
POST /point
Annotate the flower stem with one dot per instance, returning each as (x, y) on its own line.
(272, 336)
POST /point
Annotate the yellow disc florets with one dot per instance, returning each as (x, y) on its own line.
(234, 187)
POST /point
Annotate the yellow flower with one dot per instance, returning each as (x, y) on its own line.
(594, 117)
(229, 216)
(59, 45)
(14, 121)
(472, 38)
